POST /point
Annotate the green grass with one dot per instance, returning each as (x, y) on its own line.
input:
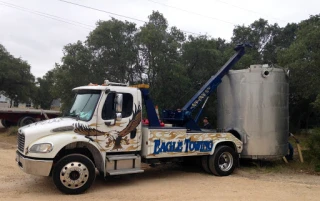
(278, 166)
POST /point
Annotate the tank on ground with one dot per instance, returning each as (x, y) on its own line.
(253, 104)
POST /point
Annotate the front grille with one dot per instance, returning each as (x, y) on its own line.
(21, 139)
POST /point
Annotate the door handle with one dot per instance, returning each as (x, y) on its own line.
(108, 123)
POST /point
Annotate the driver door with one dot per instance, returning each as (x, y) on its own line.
(119, 121)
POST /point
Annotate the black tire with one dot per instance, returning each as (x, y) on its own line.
(205, 164)
(26, 121)
(6, 123)
(75, 168)
(223, 161)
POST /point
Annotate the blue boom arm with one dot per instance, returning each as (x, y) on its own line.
(183, 117)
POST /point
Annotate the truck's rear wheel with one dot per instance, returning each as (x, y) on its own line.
(6, 123)
(26, 121)
(74, 174)
(222, 162)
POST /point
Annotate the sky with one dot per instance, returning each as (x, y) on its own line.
(39, 40)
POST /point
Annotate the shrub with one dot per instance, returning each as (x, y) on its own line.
(13, 130)
(314, 148)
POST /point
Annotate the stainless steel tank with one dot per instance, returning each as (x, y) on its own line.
(253, 104)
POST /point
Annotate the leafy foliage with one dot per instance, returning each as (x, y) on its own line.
(302, 57)
(16, 81)
(113, 50)
(77, 69)
(160, 50)
(314, 148)
(44, 96)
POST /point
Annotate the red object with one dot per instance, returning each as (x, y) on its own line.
(145, 121)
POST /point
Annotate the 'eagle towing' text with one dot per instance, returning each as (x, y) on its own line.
(182, 146)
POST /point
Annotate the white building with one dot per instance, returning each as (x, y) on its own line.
(5, 102)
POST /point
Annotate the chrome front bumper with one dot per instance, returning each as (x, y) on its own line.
(34, 166)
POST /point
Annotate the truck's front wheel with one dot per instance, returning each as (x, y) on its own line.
(222, 162)
(74, 174)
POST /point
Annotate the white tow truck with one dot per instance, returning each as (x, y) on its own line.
(104, 132)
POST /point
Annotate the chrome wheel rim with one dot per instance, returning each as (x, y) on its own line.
(225, 161)
(74, 175)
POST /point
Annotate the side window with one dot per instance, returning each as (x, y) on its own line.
(108, 110)
(127, 105)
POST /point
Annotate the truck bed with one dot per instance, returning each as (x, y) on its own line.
(30, 111)
(23, 116)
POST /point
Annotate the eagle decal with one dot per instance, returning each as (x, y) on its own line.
(115, 137)
(86, 130)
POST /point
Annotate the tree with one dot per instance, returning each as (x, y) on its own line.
(16, 80)
(202, 57)
(108, 53)
(260, 34)
(115, 54)
(282, 39)
(43, 94)
(77, 69)
(303, 59)
(152, 42)
(159, 56)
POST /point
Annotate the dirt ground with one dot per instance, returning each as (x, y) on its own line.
(160, 183)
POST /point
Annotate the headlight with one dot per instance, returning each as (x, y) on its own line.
(41, 148)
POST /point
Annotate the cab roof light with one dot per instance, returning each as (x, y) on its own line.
(107, 83)
(141, 86)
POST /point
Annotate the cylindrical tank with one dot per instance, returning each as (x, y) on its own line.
(253, 104)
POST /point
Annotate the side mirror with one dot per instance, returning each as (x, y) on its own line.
(118, 102)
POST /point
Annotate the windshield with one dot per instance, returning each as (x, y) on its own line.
(85, 104)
